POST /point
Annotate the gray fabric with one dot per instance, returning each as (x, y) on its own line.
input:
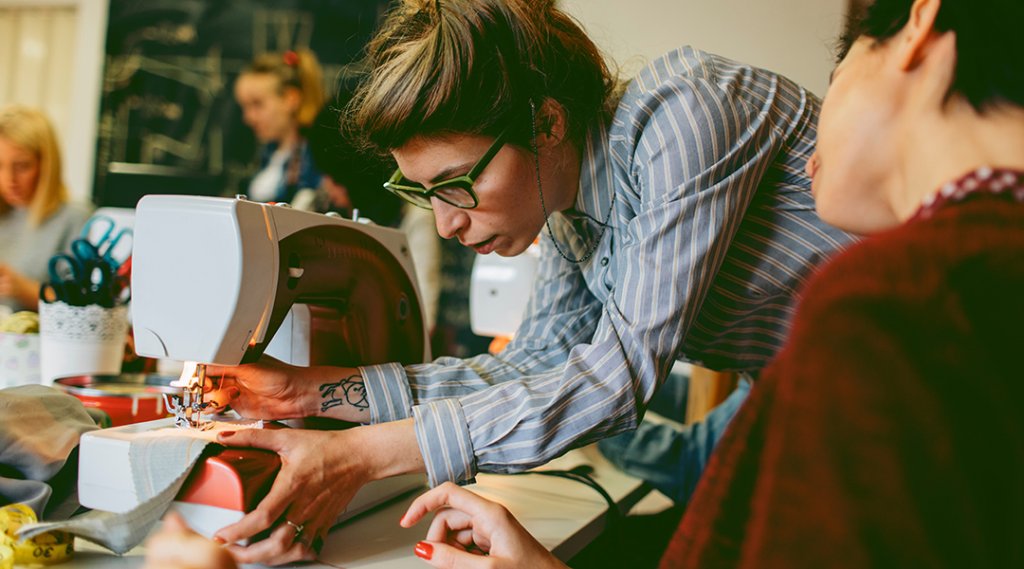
(39, 431)
(28, 249)
(159, 466)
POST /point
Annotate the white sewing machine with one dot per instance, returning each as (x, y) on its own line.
(499, 290)
(221, 281)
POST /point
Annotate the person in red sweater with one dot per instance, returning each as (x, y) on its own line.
(889, 432)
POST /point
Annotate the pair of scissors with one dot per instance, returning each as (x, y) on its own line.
(66, 278)
(81, 278)
(98, 272)
(109, 237)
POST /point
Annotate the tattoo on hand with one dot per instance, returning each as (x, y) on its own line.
(349, 390)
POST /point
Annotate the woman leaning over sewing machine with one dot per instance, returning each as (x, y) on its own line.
(662, 214)
(36, 219)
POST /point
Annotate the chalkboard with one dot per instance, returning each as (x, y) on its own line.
(170, 69)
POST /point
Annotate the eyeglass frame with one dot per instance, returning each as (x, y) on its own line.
(464, 182)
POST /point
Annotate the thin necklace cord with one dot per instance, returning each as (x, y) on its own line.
(536, 158)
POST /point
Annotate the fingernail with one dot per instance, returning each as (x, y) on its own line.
(226, 434)
(401, 519)
(219, 540)
(424, 550)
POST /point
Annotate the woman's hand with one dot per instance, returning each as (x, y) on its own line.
(271, 390)
(19, 287)
(320, 472)
(467, 526)
(176, 546)
(317, 480)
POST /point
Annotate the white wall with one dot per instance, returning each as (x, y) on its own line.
(33, 41)
(51, 57)
(792, 37)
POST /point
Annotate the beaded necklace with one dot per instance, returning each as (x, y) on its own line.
(995, 181)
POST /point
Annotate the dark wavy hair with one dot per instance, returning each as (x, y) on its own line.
(990, 54)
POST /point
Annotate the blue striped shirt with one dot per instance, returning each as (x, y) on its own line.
(712, 232)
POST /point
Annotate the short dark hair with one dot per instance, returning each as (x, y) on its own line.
(473, 67)
(990, 54)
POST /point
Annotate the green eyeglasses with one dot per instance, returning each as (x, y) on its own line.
(456, 191)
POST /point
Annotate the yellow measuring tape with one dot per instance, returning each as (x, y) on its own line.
(6, 557)
(44, 549)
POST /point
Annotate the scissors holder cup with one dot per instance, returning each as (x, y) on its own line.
(77, 340)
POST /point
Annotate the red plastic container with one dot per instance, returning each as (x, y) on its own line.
(126, 398)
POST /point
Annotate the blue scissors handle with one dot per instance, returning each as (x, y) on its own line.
(97, 220)
(85, 251)
(108, 239)
(64, 268)
(67, 282)
(82, 278)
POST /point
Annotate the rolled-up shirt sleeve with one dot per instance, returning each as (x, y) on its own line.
(561, 313)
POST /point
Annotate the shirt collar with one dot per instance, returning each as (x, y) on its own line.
(984, 180)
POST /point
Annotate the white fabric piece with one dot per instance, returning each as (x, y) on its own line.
(160, 461)
(160, 466)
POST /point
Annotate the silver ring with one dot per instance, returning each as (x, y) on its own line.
(298, 528)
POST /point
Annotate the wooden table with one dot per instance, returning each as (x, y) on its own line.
(562, 514)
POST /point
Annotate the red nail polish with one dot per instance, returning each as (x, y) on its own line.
(424, 550)
(219, 540)
(226, 434)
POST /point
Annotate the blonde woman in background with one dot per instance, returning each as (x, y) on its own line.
(36, 219)
(281, 94)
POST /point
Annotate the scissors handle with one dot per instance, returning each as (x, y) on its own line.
(106, 220)
(83, 278)
(108, 237)
(66, 279)
(63, 291)
(48, 293)
(99, 283)
(107, 250)
(85, 251)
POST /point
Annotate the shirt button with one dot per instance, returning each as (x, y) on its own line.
(604, 261)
